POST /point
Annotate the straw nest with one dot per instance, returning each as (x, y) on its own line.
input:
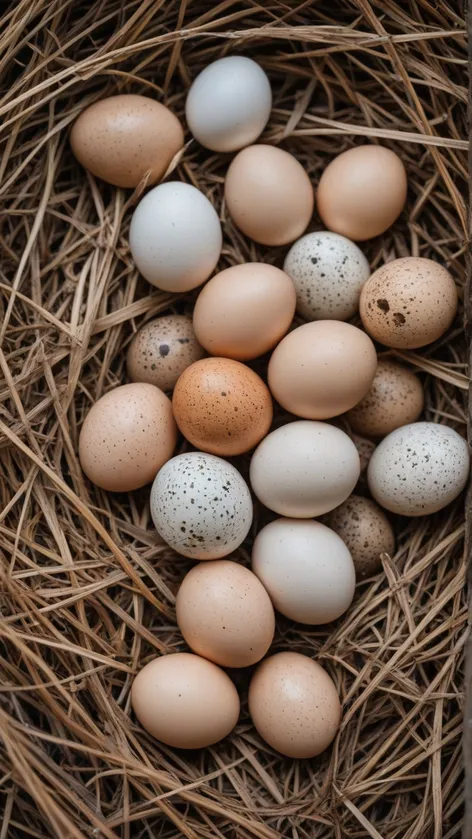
(87, 590)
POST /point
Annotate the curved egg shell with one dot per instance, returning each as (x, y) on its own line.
(395, 398)
(162, 349)
(365, 530)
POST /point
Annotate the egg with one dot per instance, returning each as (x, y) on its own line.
(294, 705)
(365, 449)
(408, 303)
(268, 195)
(365, 530)
(418, 469)
(225, 614)
(306, 568)
(222, 407)
(362, 192)
(322, 369)
(395, 398)
(244, 311)
(123, 139)
(162, 349)
(229, 103)
(175, 237)
(201, 506)
(304, 469)
(185, 701)
(127, 436)
(328, 272)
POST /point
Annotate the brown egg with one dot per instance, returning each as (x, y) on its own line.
(294, 705)
(123, 138)
(408, 303)
(244, 311)
(185, 701)
(269, 195)
(366, 531)
(395, 398)
(225, 613)
(361, 192)
(322, 369)
(365, 449)
(127, 436)
(162, 350)
(222, 407)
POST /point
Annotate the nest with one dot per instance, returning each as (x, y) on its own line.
(87, 589)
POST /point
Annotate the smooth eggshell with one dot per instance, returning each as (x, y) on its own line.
(162, 349)
(225, 613)
(201, 506)
(185, 701)
(294, 705)
(395, 398)
(362, 192)
(127, 436)
(408, 303)
(365, 530)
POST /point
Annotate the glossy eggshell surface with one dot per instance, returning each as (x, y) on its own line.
(162, 349)
(395, 398)
(365, 530)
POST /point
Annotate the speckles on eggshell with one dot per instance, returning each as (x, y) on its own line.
(395, 398)
(365, 449)
(162, 350)
(366, 531)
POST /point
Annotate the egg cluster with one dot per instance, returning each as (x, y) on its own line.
(325, 373)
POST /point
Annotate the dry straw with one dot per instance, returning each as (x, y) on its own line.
(87, 590)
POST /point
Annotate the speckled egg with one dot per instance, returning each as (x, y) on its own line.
(127, 436)
(328, 272)
(395, 398)
(225, 613)
(365, 449)
(201, 506)
(419, 469)
(408, 303)
(366, 531)
(161, 351)
(222, 407)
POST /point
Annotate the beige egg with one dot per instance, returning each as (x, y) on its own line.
(161, 351)
(225, 613)
(244, 311)
(408, 303)
(185, 701)
(322, 369)
(362, 192)
(222, 407)
(395, 398)
(294, 705)
(123, 138)
(365, 449)
(366, 531)
(127, 436)
(269, 195)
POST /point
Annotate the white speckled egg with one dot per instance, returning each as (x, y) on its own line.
(328, 272)
(201, 506)
(418, 469)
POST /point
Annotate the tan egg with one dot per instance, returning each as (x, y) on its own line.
(322, 369)
(244, 311)
(127, 436)
(222, 407)
(362, 192)
(366, 531)
(123, 138)
(185, 701)
(225, 613)
(408, 303)
(294, 705)
(269, 195)
(395, 398)
(162, 350)
(365, 449)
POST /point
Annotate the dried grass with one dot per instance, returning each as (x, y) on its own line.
(87, 590)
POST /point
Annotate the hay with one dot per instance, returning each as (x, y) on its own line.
(87, 590)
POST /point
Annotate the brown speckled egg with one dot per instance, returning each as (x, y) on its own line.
(365, 449)
(222, 407)
(161, 351)
(127, 436)
(408, 302)
(366, 531)
(395, 398)
(123, 138)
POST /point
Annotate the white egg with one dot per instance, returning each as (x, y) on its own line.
(229, 103)
(418, 469)
(175, 237)
(328, 272)
(201, 505)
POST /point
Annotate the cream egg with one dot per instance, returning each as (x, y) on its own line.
(162, 349)
(365, 530)
(395, 398)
